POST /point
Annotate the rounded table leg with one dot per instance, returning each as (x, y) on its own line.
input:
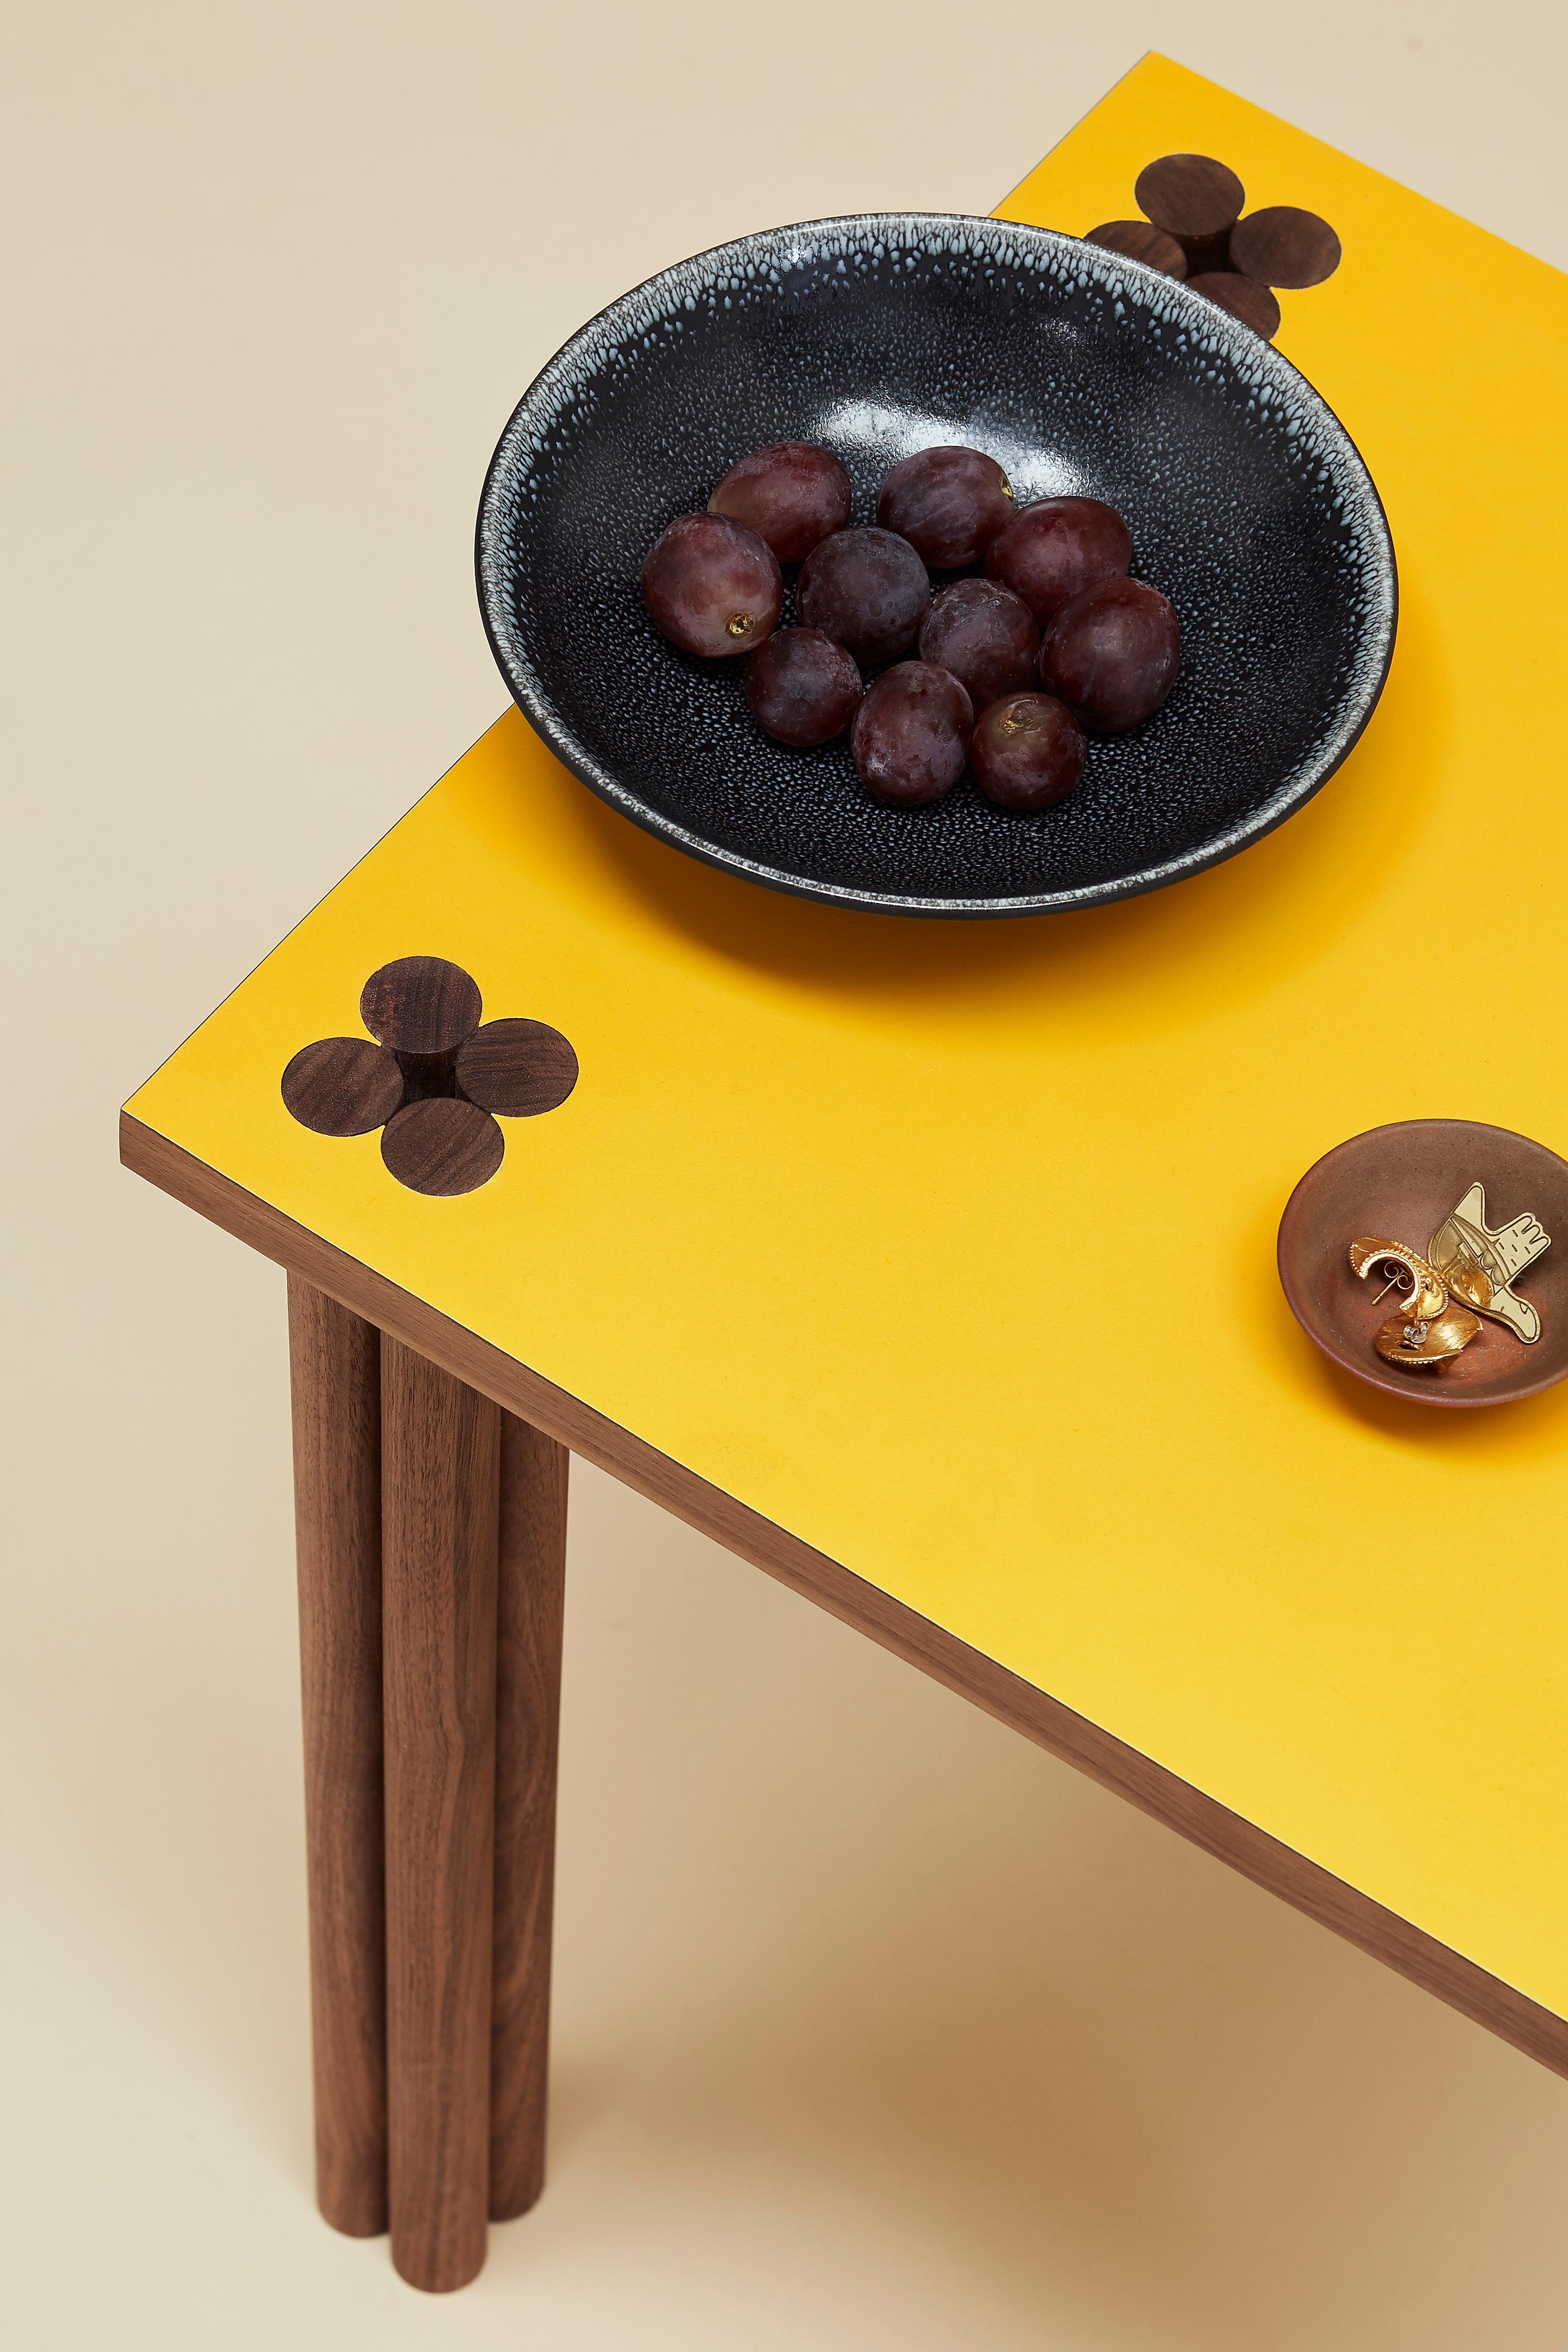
(528, 1714)
(334, 1360)
(440, 1446)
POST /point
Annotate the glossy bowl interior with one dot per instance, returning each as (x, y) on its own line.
(1081, 372)
(1399, 1184)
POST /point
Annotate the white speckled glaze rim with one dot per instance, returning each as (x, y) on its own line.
(1011, 244)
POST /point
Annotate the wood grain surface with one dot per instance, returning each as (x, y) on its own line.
(334, 1360)
(343, 1085)
(1141, 241)
(518, 1067)
(1189, 195)
(440, 1470)
(530, 1598)
(420, 1004)
(1244, 297)
(1194, 1815)
(442, 1146)
(1283, 246)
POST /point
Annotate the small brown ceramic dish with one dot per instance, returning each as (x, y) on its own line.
(1400, 1182)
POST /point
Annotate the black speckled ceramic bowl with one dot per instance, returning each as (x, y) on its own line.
(1081, 372)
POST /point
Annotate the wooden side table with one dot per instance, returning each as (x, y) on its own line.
(930, 1268)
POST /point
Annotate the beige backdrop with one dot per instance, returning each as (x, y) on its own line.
(874, 2027)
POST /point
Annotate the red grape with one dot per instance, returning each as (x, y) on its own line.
(1027, 751)
(802, 687)
(985, 636)
(866, 588)
(711, 585)
(1051, 552)
(1114, 655)
(910, 735)
(793, 494)
(948, 503)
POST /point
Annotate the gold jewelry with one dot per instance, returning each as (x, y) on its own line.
(1428, 1330)
(1417, 1347)
(1480, 1262)
(1420, 1284)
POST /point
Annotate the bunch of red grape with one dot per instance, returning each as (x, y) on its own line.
(1054, 610)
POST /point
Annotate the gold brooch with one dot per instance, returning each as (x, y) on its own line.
(1476, 1262)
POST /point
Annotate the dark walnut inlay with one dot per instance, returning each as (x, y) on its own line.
(1244, 297)
(1196, 229)
(420, 1004)
(518, 1067)
(1282, 245)
(343, 1085)
(1141, 241)
(431, 1076)
(1189, 195)
(442, 1146)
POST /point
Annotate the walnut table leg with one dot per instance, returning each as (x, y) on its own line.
(334, 1359)
(440, 1449)
(528, 1713)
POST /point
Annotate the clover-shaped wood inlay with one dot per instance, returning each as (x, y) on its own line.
(1197, 229)
(432, 1075)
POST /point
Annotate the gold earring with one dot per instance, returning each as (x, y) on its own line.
(1429, 1329)
(1420, 1284)
(1415, 1347)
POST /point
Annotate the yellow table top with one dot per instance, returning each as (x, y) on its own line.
(950, 1247)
